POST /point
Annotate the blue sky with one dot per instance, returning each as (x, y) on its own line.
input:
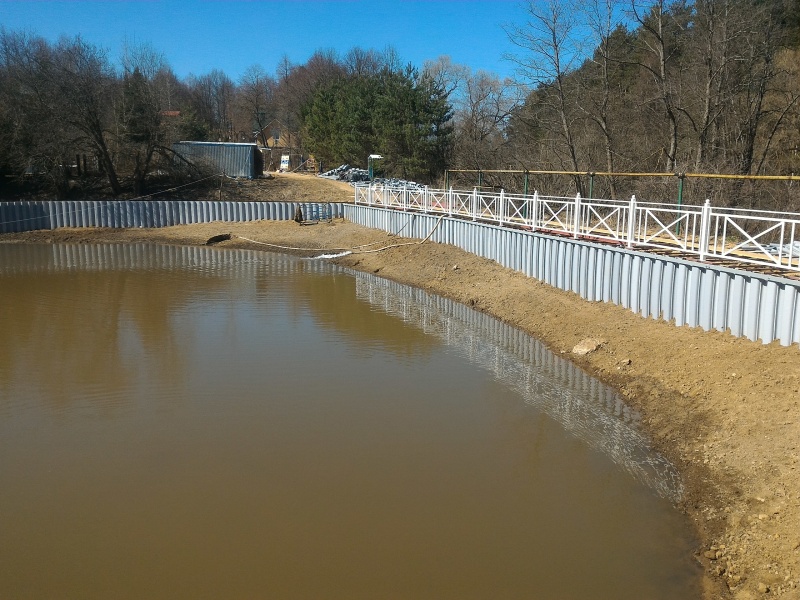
(198, 36)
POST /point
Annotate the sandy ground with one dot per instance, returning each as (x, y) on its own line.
(724, 410)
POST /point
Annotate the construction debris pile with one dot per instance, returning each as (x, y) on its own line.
(355, 175)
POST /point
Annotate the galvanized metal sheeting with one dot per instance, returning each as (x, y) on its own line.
(34, 215)
(751, 305)
(235, 160)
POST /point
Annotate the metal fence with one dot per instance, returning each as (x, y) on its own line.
(741, 236)
(30, 216)
(686, 292)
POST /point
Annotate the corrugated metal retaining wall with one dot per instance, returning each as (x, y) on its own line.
(30, 216)
(747, 304)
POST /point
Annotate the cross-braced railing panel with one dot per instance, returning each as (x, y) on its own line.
(556, 214)
(395, 197)
(462, 203)
(415, 199)
(745, 236)
(362, 195)
(756, 239)
(519, 210)
(438, 201)
(667, 228)
(604, 220)
(488, 208)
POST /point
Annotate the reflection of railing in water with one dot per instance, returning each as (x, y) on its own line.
(580, 403)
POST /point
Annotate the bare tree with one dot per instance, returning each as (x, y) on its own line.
(255, 98)
(595, 99)
(660, 24)
(550, 52)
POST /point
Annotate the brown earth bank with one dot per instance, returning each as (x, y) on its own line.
(723, 409)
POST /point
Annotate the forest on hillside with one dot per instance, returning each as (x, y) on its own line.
(601, 86)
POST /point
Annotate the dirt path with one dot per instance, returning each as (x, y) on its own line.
(724, 410)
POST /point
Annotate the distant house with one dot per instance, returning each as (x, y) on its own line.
(279, 142)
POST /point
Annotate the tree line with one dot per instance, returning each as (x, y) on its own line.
(619, 86)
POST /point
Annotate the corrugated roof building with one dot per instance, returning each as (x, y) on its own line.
(235, 160)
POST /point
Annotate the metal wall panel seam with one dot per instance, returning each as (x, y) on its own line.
(13, 216)
(795, 335)
(721, 299)
(596, 272)
(706, 298)
(656, 274)
(736, 306)
(768, 312)
(587, 260)
(608, 274)
(557, 274)
(692, 297)
(20, 215)
(643, 286)
(679, 297)
(616, 279)
(668, 291)
(634, 280)
(786, 314)
(752, 306)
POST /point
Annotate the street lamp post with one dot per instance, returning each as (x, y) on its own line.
(370, 158)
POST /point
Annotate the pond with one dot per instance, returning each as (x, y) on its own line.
(207, 423)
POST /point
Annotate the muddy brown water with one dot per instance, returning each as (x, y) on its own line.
(202, 423)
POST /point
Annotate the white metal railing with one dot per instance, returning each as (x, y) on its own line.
(742, 236)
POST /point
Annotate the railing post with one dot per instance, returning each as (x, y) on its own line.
(705, 229)
(535, 211)
(369, 195)
(577, 217)
(474, 204)
(502, 208)
(631, 221)
(426, 201)
(450, 202)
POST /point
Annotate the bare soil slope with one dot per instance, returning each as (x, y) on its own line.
(725, 410)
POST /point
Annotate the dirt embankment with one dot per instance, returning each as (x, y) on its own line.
(725, 410)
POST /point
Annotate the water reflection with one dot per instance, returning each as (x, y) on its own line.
(585, 407)
(199, 422)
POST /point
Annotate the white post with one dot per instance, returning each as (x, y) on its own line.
(474, 204)
(631, 221)
(535, 210)
(426, 203)
(450, 201)
(577, 217)
(705, 229)
(369, 195)
(502, 208)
